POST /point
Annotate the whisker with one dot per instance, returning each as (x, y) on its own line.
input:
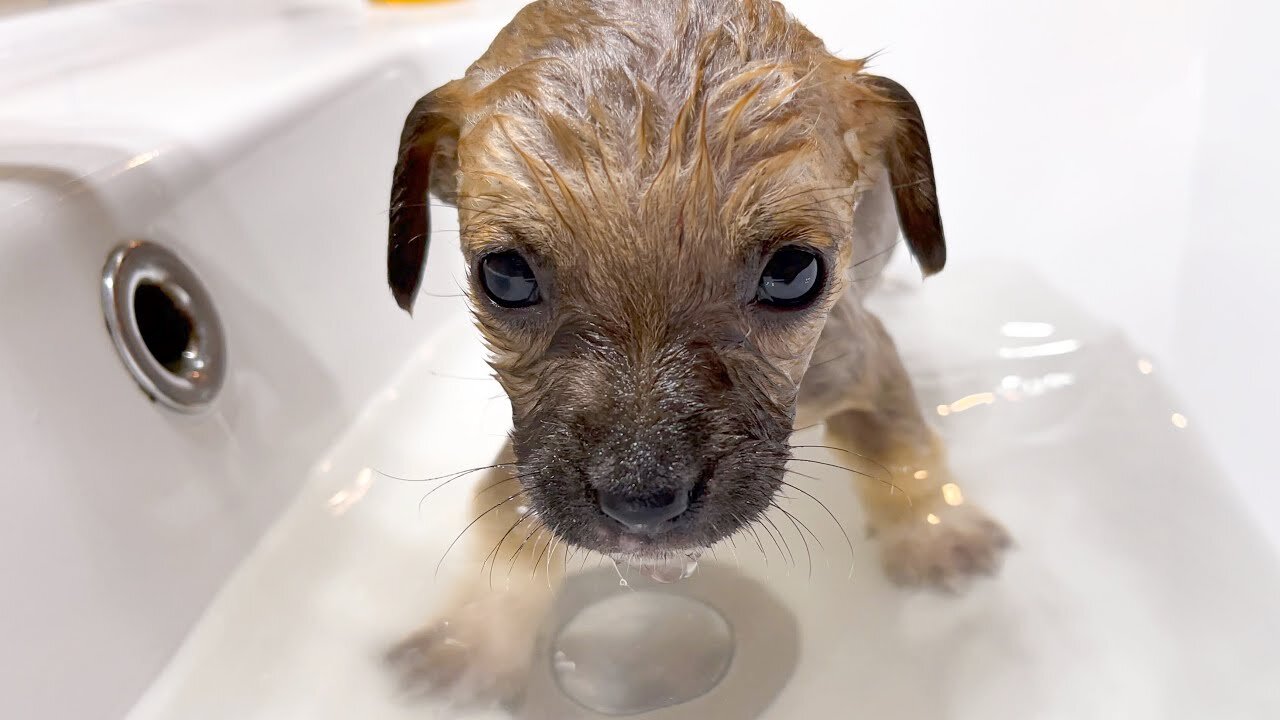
(451, 376)
(776, 539)
(468, 527)
(852, 195)
(497, 548)
(868, 259)
(441, 477)
(805, 526)
(834, 519)
(772, 203)
(838, 467)
(820, 363)
(878, 253)
(807, 477)
(807, 554)
(873, 461)
(482, 490)
(759, 544)
(538, 561)
(882, 481)
(555, 539)
(535, 527)
(733, 548)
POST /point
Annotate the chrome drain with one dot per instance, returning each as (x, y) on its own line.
(717, 644)
(164, 326)
(637, 652)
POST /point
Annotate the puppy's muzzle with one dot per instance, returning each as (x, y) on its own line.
(650, 513)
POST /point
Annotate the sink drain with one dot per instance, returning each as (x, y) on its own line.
(163, 324)
(635, 653)
(717, 644)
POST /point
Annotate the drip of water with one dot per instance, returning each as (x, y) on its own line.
(665, 570)
(562, 664)
(615, 559)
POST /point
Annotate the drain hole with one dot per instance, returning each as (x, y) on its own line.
(641, 651)
(167, 331)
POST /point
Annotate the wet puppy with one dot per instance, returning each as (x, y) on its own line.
(661, 205)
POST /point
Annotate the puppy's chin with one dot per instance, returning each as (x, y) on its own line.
(644, 545)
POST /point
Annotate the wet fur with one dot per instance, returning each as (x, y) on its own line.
(647, 158)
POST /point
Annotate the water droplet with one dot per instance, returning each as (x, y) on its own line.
(563, 664)
(615, 559)
(674, 568)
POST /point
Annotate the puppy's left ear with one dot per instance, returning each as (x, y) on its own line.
(905, 154)
(427, 164)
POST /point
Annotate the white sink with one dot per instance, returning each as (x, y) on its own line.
(266, 169)
(247, 562)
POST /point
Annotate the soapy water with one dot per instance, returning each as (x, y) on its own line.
(1130, 544)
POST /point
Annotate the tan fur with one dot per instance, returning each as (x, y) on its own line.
(632, 144)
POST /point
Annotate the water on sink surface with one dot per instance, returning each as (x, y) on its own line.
(1137, 590)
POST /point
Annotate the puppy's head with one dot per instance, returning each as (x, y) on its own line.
(657, 219)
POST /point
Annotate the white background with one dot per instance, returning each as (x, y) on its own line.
(1128, 150)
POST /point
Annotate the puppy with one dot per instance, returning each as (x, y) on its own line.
(661, 205)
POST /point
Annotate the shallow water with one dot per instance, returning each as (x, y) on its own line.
(1137, 590)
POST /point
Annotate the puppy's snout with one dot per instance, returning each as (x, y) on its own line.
(645, 511)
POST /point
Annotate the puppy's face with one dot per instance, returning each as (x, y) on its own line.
(651, 350)
(651, 273)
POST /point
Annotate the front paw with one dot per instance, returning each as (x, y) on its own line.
(477, 654)
(942, 547)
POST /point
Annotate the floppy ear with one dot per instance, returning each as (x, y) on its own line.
(910, 165)
(427, 164)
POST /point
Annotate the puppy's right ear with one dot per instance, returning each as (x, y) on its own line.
(427, 164)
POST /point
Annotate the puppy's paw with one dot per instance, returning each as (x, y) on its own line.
(478, 654)
(942, 547)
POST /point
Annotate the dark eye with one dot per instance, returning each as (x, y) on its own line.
(791, 279)
(508, 279)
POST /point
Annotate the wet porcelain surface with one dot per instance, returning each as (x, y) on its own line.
(254, 138)
(1139, 585)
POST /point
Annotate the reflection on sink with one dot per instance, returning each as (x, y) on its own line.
(1078, 623)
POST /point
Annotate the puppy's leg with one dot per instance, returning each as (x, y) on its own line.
(479, 648)
(930, 533)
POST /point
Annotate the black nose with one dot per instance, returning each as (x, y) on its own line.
(644, 512)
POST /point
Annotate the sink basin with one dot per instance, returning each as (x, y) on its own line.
(253, 561)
